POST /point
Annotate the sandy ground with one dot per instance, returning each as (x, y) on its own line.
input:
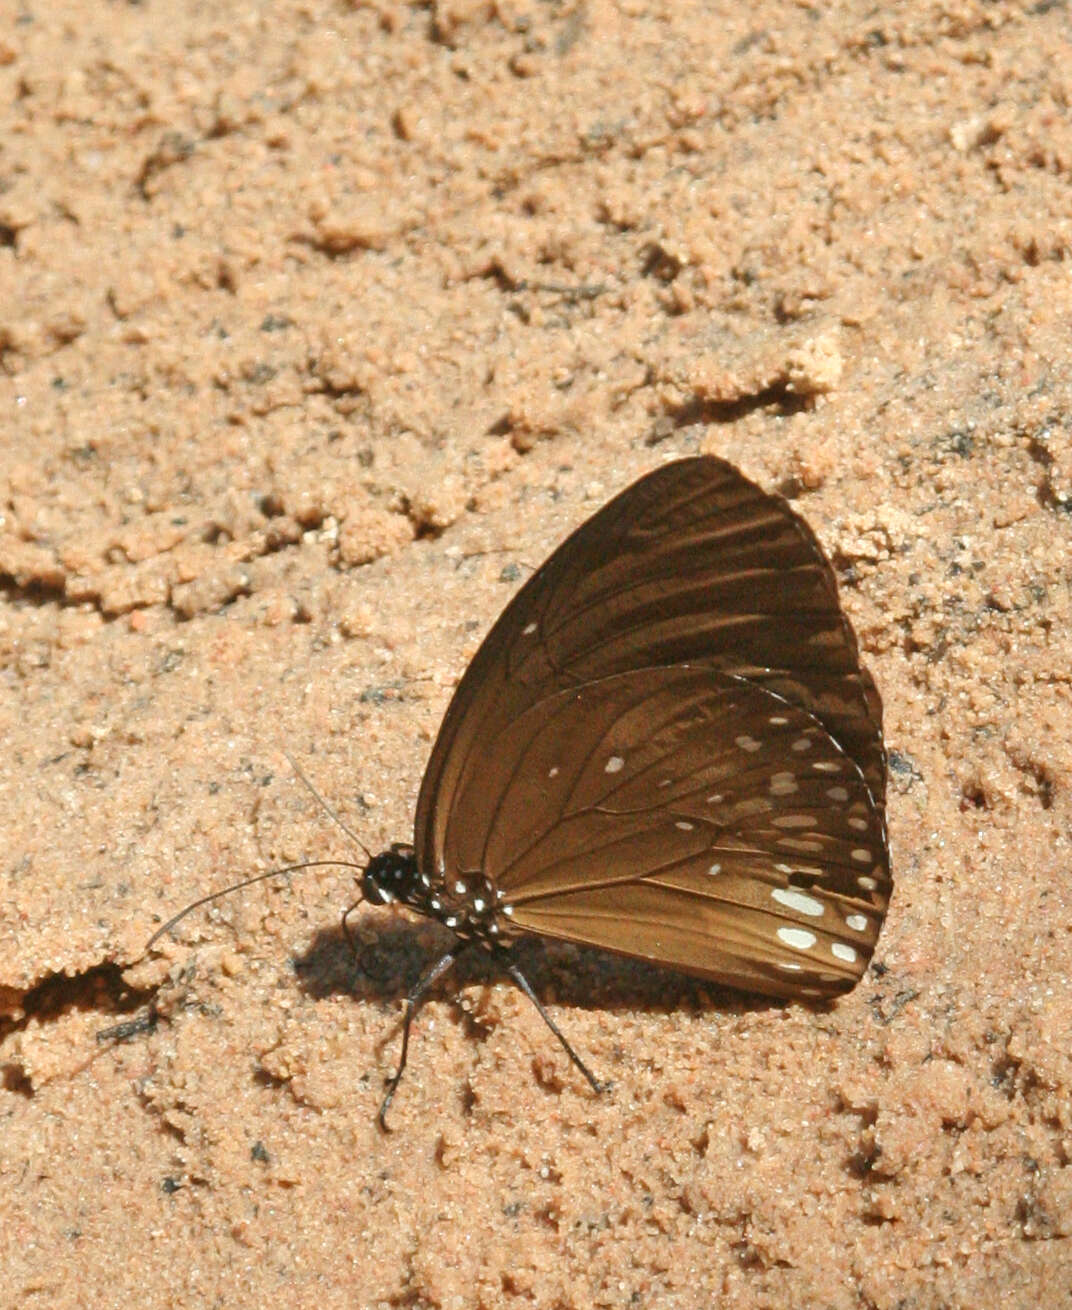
(320, 324)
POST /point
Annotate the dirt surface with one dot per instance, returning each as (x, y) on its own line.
(320, 324)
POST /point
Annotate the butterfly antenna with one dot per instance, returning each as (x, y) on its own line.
(237, 886)
(324, 805)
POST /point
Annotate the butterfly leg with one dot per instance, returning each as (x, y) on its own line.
(412, 1004)
(347, 931)
(522, 982)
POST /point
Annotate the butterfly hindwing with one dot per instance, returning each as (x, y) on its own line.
(686, 817)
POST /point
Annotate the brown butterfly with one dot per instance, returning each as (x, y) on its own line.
(666, 747)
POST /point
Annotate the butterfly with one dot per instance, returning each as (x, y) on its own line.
(666, 747)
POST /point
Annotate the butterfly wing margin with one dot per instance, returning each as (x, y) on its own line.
(692, 563)
(654, 814)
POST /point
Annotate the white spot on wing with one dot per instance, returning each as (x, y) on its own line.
(684, 826)
(747, 743)
(843, 952)
(793, 821)
(856, 922)
(802, 744)
(867, 883)
(715, 869)
(614, 765)
(838, 793)
(799, 938)
(827, 766)
(859, 824)
(553, 771)
(778, 720)
(797, 901)
(529, 629)
(799, 844)
(862, 855)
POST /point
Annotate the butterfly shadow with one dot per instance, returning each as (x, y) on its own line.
(385, 964)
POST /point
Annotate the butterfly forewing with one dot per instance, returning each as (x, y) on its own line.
(693, 563)
(667, 745)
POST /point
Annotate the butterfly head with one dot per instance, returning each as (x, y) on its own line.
(390, 876)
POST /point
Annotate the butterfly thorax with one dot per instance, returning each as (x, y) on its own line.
(469, 905)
